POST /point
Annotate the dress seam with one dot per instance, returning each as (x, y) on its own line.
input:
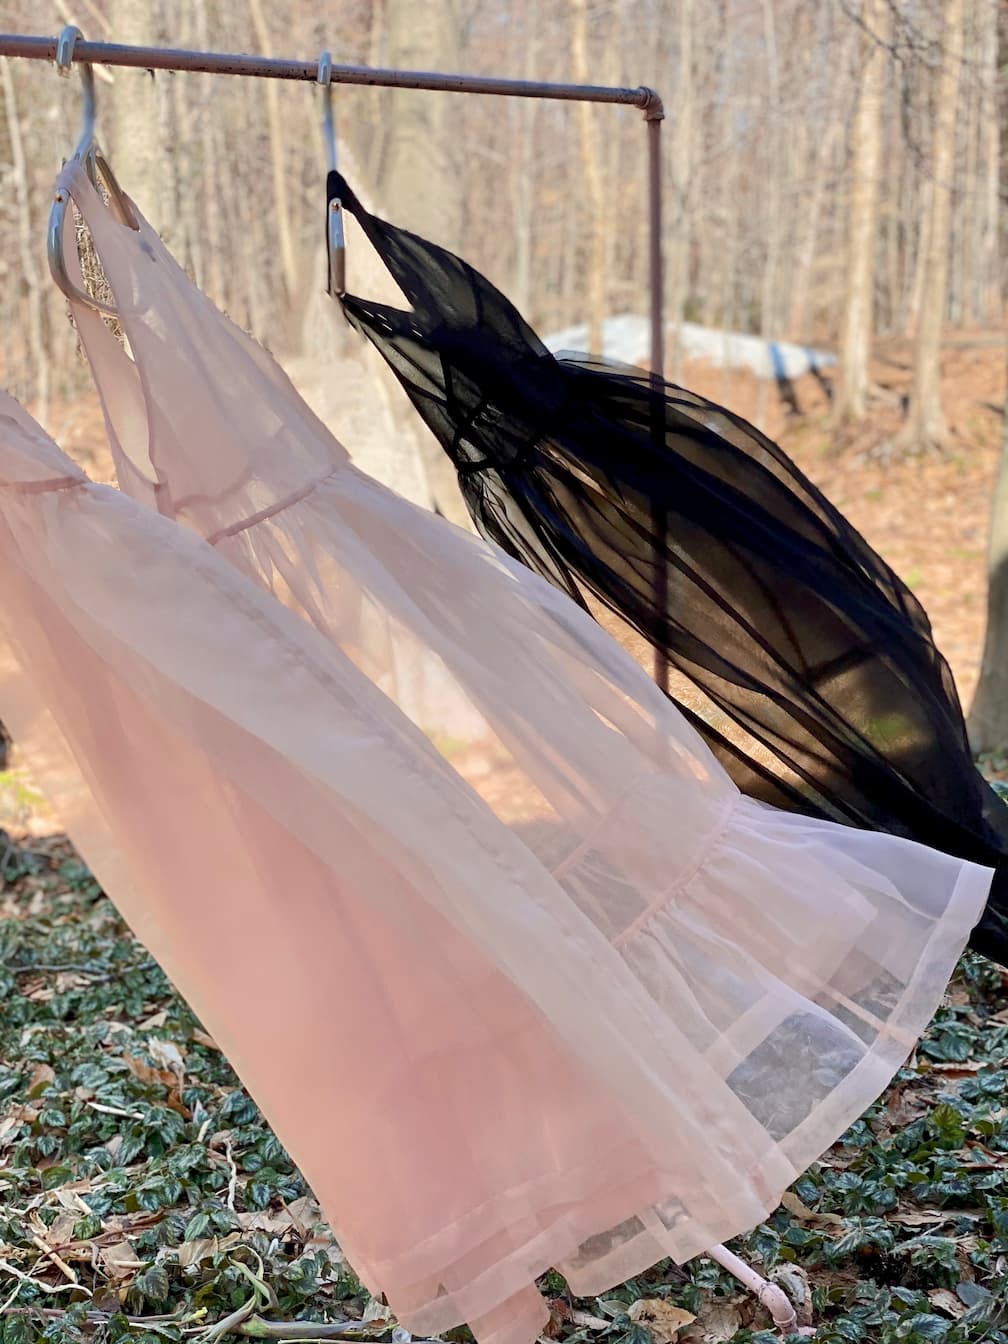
(716, 839)
(288, 501)
(44, 487)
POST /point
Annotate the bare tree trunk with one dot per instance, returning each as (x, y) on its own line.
(768, 296)
(418, 179)
(26, 243)
(916, 229)
(614, 246)
(682, 150)
(809, 237)
(925, 425)
(588, 135)
(859, 299)
(894, 291)
(417, 176)
(375, 54)
(278, 159)
(213, 280)
(989, 306)
(988, 716)
(135, 115)
(523, 196)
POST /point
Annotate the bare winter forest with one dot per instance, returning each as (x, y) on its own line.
(833, 177)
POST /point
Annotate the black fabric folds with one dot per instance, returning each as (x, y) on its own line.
(702, 535)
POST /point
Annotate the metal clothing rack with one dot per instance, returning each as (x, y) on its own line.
(270, 67)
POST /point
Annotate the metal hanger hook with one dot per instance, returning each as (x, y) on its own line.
(89, 155)
(335, 239)
(324, 79)
(65, 44)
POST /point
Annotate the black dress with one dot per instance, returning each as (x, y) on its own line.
(703, 535)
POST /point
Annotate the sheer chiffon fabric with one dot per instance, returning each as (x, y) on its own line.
(704, 536)
(678, 997)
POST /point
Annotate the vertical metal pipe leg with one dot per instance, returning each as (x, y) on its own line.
(769, 1294)
(657, 285)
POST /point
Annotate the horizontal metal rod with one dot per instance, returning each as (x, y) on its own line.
(270, 67)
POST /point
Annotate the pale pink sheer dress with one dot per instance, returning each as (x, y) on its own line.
(726, 987)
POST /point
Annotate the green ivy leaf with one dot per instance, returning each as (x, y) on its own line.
(197, 1227)
(924, 1326)
(946, 1124)
(151, 1285)
(54, 1177)
(18, 1330)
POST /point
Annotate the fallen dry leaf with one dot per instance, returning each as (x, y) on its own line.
(560, 1314)
(59, 1233)
(16, 1117)
(201, 1038)
(155, 1020)
(42, 1077)
(804, 1214)
(70, 1199)
(68, 980)
(168, 1055)
(931, 1219)
(261, 1220)
(903, 1105)
(377, 1311)
(918, 1219)
(716, 1325)
(305, 1213)
(149, 1073)
(946, 1301)
(170, 1074)
(662, 1319)
(119, 1261)
(586, 1321)
(84, 1186)
(205, 1248)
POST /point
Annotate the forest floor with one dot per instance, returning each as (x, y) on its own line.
(142, 1193)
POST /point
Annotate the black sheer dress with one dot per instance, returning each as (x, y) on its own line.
(700, 533)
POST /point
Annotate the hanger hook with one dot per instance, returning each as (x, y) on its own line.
(335, 239)
(88, 154)
(324, 80)
(65, 44)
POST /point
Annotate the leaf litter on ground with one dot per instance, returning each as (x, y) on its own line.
(143, 1194)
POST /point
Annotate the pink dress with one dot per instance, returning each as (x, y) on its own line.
(667, 999)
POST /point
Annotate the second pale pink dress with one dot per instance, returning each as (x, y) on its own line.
(572, 999)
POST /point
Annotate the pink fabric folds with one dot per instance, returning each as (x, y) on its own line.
(644, 1003)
